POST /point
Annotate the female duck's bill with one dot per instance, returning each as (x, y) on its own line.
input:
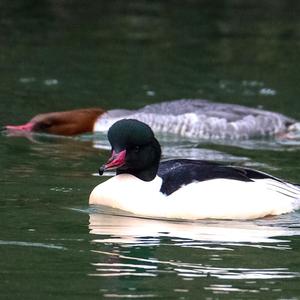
(182, 188)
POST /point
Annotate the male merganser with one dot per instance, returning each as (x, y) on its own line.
(182, 188)
(190, 118)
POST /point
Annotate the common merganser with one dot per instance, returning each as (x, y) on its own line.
(182, 188)
(190, 118)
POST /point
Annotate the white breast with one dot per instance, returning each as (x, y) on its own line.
(129, 193)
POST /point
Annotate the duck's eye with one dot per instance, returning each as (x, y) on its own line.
(136, 149)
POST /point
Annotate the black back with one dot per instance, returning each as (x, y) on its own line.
(179, 172)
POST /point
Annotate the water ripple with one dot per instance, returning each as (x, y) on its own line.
(124, 229)
(184, 269)
(211, 243)
(31, 244)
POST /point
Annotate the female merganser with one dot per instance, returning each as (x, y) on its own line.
(190, 118)
(182, 188)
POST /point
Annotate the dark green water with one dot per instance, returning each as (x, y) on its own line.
(57, 55)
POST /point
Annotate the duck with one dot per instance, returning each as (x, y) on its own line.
(184, 188)
(195, 118)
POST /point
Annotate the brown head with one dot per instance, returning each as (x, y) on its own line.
(70, 122)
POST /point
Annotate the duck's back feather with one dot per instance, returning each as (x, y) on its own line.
(180, 172)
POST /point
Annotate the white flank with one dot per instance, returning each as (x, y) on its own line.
(217, 198)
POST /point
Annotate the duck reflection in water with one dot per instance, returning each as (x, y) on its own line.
(133, 246)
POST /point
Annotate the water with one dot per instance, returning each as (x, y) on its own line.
(59, 55)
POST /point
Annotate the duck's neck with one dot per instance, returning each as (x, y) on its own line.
(145, 175)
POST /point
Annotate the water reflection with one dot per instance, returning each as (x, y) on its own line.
(172, 145)
(135, 230)
(31, 244)
(175, 146)
(178, 147)
(133, 246)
